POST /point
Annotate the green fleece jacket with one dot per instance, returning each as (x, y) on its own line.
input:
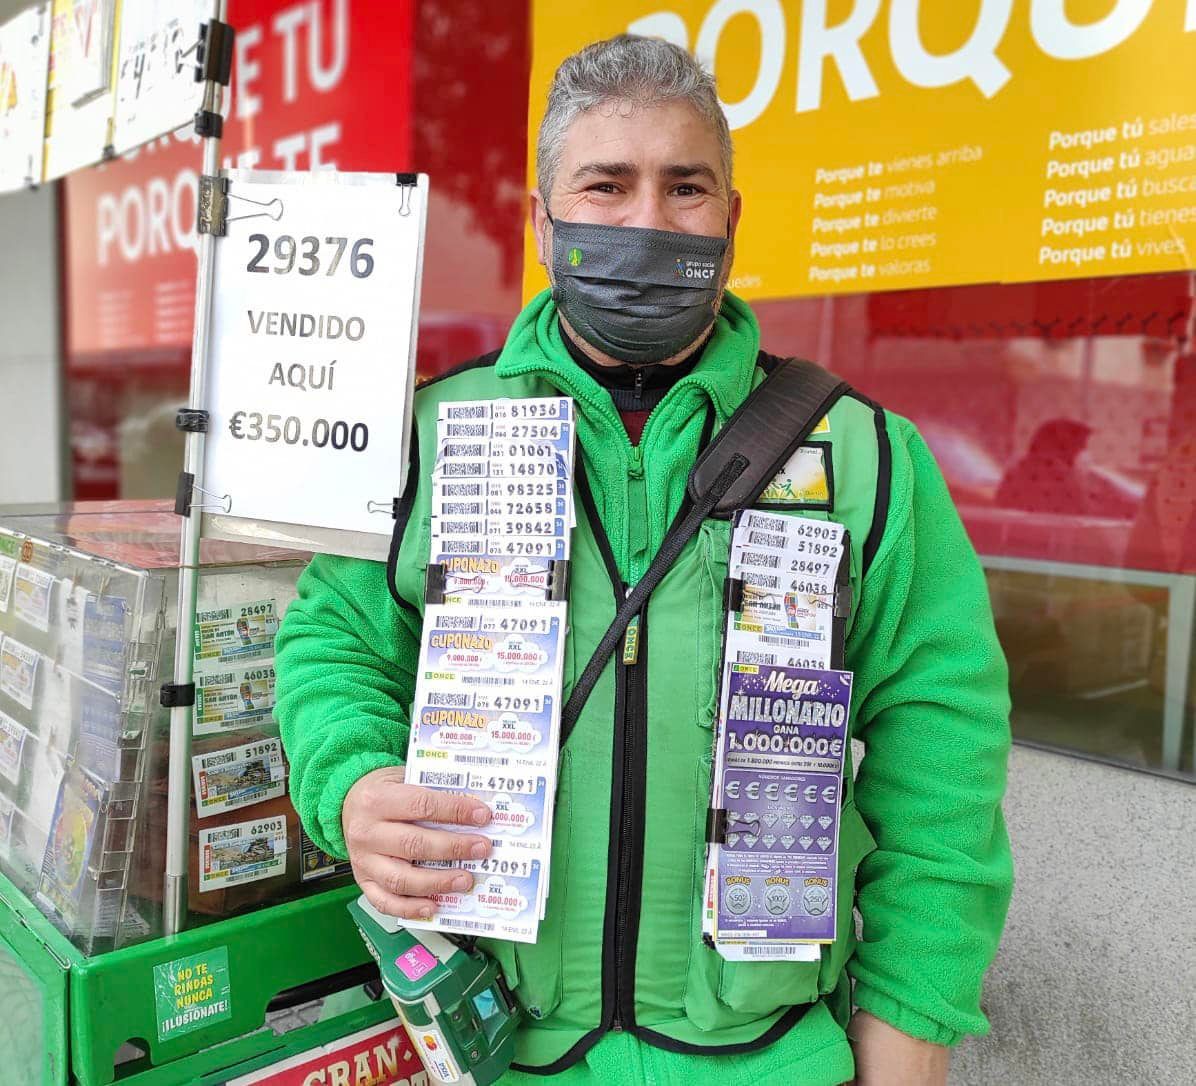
(922, 837)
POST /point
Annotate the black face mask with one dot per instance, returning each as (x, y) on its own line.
(638, 295)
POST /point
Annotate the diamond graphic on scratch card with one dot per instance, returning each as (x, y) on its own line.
(805, 842)
(806, 821)
(824, 843)
(788, 840)
(788, 820)
(769, 820)
(732, 840)
(769, 840)
(825, 822)
(750, 840)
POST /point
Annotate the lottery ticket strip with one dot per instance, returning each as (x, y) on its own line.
(773, 832)
(486, 715)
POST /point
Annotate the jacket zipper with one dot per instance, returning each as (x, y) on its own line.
(631, 811)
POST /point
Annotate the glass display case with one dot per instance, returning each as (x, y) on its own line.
(87, 637)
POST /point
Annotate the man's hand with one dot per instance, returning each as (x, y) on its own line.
(379, 816)
(885, 1056)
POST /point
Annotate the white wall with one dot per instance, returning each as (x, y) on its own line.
(31, 420)
(31, 416)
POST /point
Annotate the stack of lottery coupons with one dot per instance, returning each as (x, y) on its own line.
(771, 873)
(486, 718)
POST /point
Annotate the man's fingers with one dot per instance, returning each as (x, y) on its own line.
(406, 908)
(381, 798)
(454, 808)
(399, 879)
(407, 841)
(384, 797)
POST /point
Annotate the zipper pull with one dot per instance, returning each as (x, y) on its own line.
(639, 389)
(635, 469)
(631, 643)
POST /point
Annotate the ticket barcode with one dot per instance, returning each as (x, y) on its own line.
(462, 527)
(464, 468)
(761, 580)
(769, 524)
(751, 558)
(474, 759)
(763, 539)
(462, 449)
(467, 429)
(457, 701)
(444, 780)
(769, 951)
(465, 925)
(785, 642)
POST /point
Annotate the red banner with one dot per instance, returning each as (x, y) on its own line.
(380, 1056)
(315, 83)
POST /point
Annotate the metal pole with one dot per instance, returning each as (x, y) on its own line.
(178, 798)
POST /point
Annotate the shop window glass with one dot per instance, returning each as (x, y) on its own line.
(1063, 417)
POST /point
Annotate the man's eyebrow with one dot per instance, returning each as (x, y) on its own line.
(677, 171)
(605, 169)
(694, 169)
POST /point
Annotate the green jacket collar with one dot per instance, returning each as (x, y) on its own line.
(724, 373)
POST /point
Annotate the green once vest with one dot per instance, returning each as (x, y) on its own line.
(621, 945)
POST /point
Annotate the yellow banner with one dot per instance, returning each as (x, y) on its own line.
(918, 143)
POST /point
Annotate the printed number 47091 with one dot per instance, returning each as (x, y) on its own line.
(306, 253)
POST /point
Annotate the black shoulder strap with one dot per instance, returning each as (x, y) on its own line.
(730, 474)
(767, 429)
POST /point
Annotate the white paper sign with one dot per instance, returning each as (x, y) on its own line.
(156, 89)
(24, 63)
(80, 113)
(313, 349)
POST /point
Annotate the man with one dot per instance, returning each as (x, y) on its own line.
(634, 175)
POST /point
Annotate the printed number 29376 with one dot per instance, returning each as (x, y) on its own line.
(309, 257)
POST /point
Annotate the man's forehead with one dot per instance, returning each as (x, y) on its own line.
(647, 137)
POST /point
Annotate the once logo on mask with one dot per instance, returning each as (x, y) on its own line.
(686, 268)
(575, 257)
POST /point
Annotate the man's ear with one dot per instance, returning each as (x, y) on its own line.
(734, 212)
(538, 214)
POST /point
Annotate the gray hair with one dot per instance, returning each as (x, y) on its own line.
(626, 68)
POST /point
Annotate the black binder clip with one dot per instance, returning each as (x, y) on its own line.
(733, 594)
(176, 695)
(558, 580)
(214, 57)
(716, 826)
(435, 581)
(191, 420)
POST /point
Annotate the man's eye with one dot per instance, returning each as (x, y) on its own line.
(687, 190)
(605, 187)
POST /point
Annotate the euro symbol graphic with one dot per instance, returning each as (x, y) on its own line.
(234, 424)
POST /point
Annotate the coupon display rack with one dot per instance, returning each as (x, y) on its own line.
(87, 633)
